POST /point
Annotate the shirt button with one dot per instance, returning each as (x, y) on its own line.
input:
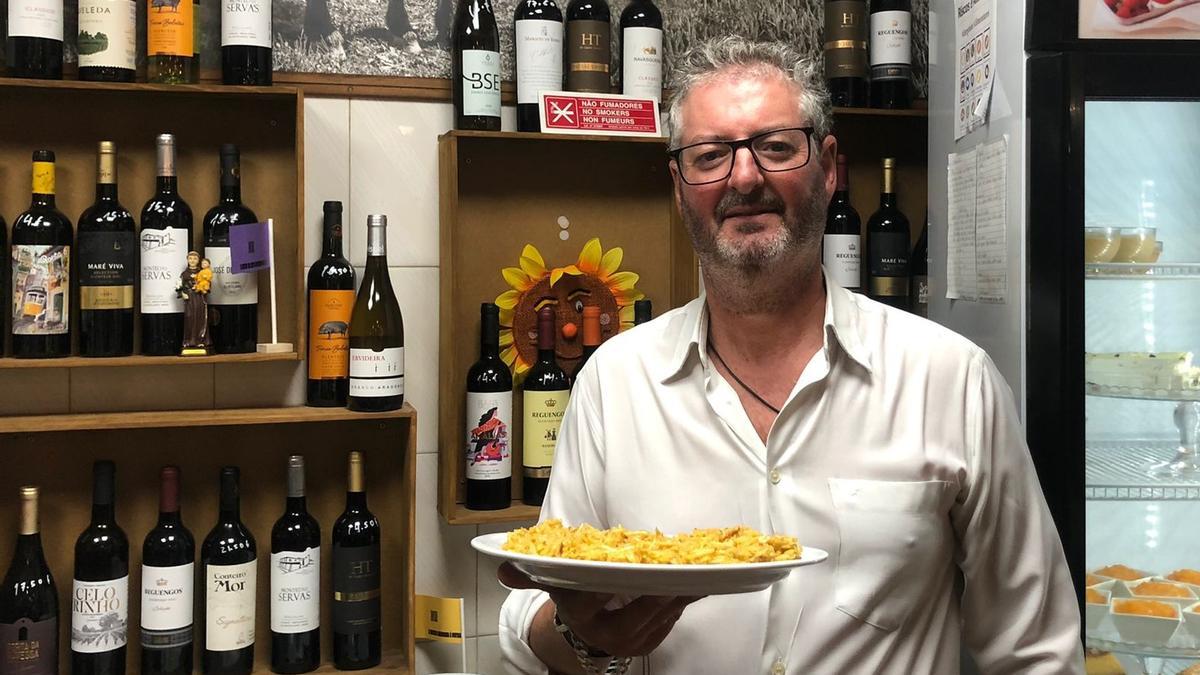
(778, 668)
(775, 475)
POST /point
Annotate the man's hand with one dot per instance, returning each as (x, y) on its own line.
(633, 630)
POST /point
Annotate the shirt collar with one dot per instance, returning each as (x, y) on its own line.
(841, 323)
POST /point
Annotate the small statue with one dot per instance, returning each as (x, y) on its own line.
(193, 287)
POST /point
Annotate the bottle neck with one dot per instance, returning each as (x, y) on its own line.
(167, 184)
(377, 244)
(356, 501)
(103, 513)
(29, 548)
(169, 518)
(887, 199)
(489, 336)
(231, 193)
(106, 192)
(297, 504)
(44, 200)
(331, 247)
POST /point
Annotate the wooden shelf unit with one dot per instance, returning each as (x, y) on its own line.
(56, 452)
(70, 117)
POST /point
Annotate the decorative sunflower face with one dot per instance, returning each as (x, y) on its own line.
(592, 280)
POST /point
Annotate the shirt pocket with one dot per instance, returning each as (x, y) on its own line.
(891, 543)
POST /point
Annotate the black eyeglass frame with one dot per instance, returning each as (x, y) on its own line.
(747, 143)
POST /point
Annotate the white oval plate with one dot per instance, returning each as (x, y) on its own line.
(634, 579)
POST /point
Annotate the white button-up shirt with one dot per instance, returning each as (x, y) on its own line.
(899, 451)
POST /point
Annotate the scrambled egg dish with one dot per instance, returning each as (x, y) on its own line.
(707, 546)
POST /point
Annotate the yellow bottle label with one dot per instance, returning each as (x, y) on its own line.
(329, 334)
(43, 178)
(542, 418)
(170, 28)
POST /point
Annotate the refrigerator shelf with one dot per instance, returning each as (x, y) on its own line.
(1143, 394)
(1119, 471)
(1126, 271)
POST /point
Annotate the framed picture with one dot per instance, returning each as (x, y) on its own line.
(1139, 19)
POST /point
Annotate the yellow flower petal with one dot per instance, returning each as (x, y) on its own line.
(533, 268)
(506, 335)
(558, 272)
(517, 278)
(622, 281)
(610, 262)
(530, 251)
(508, 300)
(626, 314)
(589, 257)
(506, 318)
(508, 355)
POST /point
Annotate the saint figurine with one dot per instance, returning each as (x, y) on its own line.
(195, 282)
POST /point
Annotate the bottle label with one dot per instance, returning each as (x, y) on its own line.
(229, 606)
(329, 334)
(543, 415)
(36, 18)
(41, 289)
(167, 597)
(296, 591)
(229, 288)
(539, 58)
(642, 62)
(108, 33)
(356, 589)
(170, 29)
(922, 289)
(488, 421)
(99, 615)
(107, 261)
(891, 45)
(888, 254)
(43, 178)
(29, 647)
(843, 259)
(845, 39)
(164, 257)
(246, 22)
(481, 82)
(588, 56)
(377, 374)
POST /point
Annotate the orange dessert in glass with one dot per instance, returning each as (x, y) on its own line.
(1095, 597)
(1146, 608)
(1120, 572)
(1187, 576)
(1161, 589)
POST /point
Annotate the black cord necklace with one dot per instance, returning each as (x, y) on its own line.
(713, 347)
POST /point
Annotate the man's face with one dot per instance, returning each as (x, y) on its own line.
(193, 260)
(754, 218)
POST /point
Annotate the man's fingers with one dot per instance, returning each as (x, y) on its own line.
(511, 577)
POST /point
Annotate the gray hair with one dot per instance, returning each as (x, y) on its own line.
(704, 62)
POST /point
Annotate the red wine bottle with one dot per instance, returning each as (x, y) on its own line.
(41, 271)
(846, 59)
(538, 25)
(642, 50)
(489, 420)
(330, 303)
(233, 300)
(589, 46)
(100, 591)
(842, 244)
(891, 53)
(295, 581)
(108, 264)
(642, 312)
(166, 238)
(887, 245)
(34, 44)
(546, 393)
(357, 632)
(246, 41)
(168, 585)
(230, 560)
(29, 601)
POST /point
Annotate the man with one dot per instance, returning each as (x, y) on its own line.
(794, 406)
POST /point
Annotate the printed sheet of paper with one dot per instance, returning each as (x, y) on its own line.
(975, 40)
(960, 233)
(991, 219)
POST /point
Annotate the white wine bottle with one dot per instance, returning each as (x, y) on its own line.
(376, 332)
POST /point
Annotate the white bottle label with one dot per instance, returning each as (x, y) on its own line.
(891, 35)
(164, 257)
(489, 421)
(843, 259)
(167, 596)
(481, 82)
(36, 18)
(539, 58)
(229, 606)
(642, 62)
(296, 591)
(377, 374)
(229, 288)
(99, 615)
(107, 33)
(246, 22)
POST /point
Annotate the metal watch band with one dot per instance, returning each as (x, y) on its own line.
(587, 655)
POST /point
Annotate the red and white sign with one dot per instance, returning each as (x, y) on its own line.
(605, 114)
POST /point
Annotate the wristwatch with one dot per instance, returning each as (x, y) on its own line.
(577, 644)
(585, 653)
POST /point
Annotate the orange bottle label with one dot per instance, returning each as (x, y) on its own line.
(329, 334)
(169, 28)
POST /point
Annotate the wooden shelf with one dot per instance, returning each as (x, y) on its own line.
(881, 112)
(516, 136)
(165, 419)
(519, 511)
(124, 361)
(281, 93)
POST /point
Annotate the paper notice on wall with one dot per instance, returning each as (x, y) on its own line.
(960, 237)
(975, 64)
(991, 221)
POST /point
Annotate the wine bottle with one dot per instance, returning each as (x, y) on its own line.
(891, 53)
(920, 272)
(642, 50)
(100, 592)
(168, 582)
(589, 46)
(538, 27)
(591, 338)
(29, 601)
(330, 302)
(230, 583)
(34, 44)
(842, 245)
(641, 312)
(246, 42)
(233, 300)
(166, 238)
(887, 245)
(376, 332)
(41, 271)
(846, 60)
(476, 67)
(357, 634)
(489, 420)
(171, 44)
(295, 581)
(107, 41)
(108, 263)
(546, 392)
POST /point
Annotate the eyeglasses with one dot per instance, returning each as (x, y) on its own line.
(773, 151)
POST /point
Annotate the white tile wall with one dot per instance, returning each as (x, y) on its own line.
(326, 168)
